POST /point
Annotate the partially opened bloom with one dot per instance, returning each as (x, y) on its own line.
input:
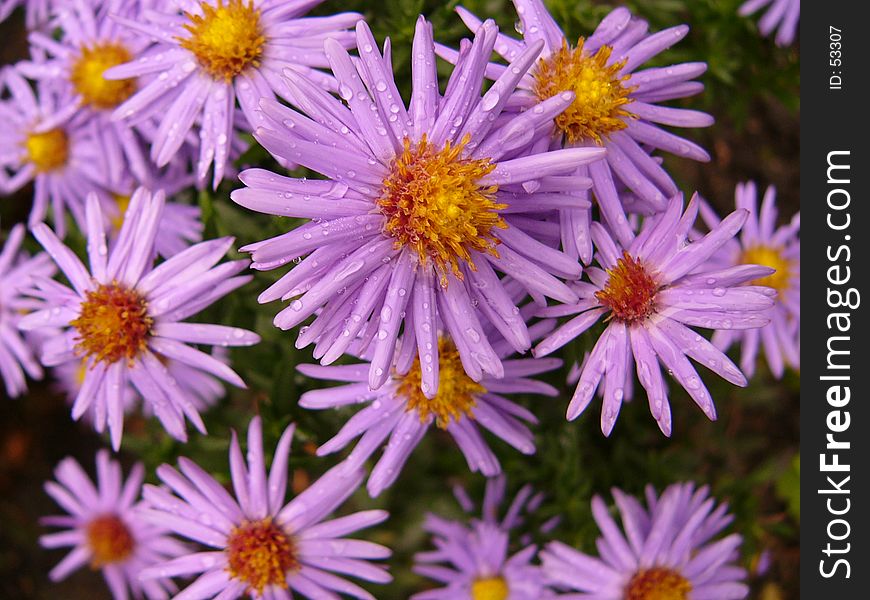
(472, 560)
(763, 243)
(62, 160)
(17, 272)
(124, 318)
(90, 43)
(106, 530)
(668, 549)
(402, 413)
(421, 207)
(650, 294)
(616, 106)
(209, 53)
(781, 15)
(258, 544)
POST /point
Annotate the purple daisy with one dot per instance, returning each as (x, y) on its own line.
(124, 317)
(258, 545)
(476, 554)
(17, 272)
(649, 292)
(666, 550)
(782, 16)
(63, 160)
(615, 106)
(105, 529)
(37, 12)
(91, 42)
(420, 208)
(763, 243)
(401, 411)
(209, 53)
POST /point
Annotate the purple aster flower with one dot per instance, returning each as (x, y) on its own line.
(63, 161)
(91, 42)
(421, 206)
(401, 411)
(476, 554)
(258, 545)
(105, 529)
(782, 15)
(208, 54)
(649, 292)
(666, 550)
(124, 317)
(763, 243)
(616, 106)
(17, 271)
(37, 12)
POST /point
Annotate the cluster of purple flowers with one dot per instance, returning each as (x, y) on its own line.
(446, 235)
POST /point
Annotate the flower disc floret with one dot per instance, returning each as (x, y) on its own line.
(109, 540)
(456, 390)
(87, 76)
(600, 93)
(260, 554)
(227, 38)
(113, 323)
(658, 584)
(433, 202)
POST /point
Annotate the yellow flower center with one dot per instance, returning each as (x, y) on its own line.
(630, 291)
(87, 76)
(122, 202)
(113, 323)
(261, 554)
(226, 38)
(47, 151)
(658, 584)
(456, 390)
(491, 588)
(433, 203)
(109, 540)
(773, 258)
(600, 94)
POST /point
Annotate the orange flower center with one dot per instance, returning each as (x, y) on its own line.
(226, 39)
(456, 390)
(113, 323)
(87, 76)
(109, 540)
(433, 203)
(658, 584)
(261, 554)
(491, 588)
(630, 291)
(600, 92)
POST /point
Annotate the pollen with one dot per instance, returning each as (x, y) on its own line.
(630, 291)
(261, 554)
(47, 151)
(113, 324)
(122, 202)
(433, 203)
(490, 588)
(774, 258)
(87, 76)
(227, 38)
(658, 584)
(456, 390)
(600, 91)
(109, 540)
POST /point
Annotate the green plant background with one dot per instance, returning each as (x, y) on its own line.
(748, 457)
